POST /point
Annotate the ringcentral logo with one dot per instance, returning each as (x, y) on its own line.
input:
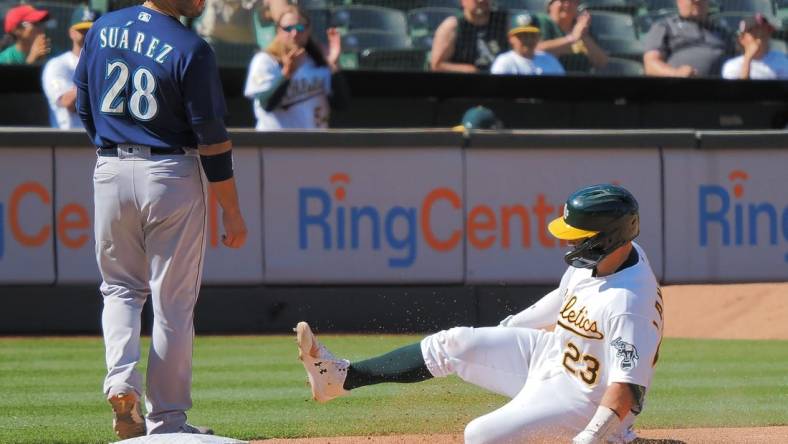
(332, 220)
(738, 218)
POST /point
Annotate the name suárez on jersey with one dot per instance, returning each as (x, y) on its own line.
(576, 320)
(115, 37)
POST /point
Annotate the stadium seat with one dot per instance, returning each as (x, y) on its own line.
(575, 63)
(620, 67)
(626, 6)
(321, 20)
(423, 42)
(314, 4)
(349, 18)
(529, 5)
(729, 20)
(405, 5)
(765, 7)
(643, 22)
(357, 41)
(660, 5)
(233, 54)
(424, 21)
(627, 48)
(410, 59)
(612, 25)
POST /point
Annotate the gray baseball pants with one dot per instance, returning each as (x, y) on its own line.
(150, 228)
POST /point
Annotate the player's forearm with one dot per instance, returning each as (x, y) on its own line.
(227, 195)
(619, 398)
(616, 403)
(225, 189)
(83, 110)
(542, 314)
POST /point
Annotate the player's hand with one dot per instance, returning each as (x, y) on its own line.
(234, 229)
(334, 46)
(582, 25)
(40, 49)
(291, 60)
(686, 71)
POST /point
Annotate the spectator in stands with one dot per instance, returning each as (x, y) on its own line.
(524, 58)
(58, 73)
(686, 44)
(565, 32)
(291, 83)
(25, 26)
(229, 21)
(470, 43)
(757, 62)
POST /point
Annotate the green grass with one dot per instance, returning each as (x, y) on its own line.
(253, 387)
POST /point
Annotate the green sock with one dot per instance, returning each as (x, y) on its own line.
(404, 364)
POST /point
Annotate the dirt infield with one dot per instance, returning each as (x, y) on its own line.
(759, 435)
(736, 311)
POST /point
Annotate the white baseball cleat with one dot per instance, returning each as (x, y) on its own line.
(326, 373)
(127, 419)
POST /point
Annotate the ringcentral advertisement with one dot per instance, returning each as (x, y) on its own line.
(438, 215)
(726, 215)
(363, 215)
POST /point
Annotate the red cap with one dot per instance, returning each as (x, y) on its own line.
(23, 13)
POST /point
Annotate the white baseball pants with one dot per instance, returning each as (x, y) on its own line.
(545, 404)
(150, 228)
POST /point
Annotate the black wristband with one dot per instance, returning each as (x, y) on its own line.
(219, 167)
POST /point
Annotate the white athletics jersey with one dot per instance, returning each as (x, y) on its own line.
(56, 79)
(305, 104)
(609, 328)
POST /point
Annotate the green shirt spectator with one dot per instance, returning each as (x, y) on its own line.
(565, 34)
(25, 25)
(12, 56)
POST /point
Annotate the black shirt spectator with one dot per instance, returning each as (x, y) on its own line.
(470, 43)
(479, 45)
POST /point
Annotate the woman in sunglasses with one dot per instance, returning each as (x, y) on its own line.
(292, 83)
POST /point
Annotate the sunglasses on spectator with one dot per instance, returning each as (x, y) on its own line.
(300, 27)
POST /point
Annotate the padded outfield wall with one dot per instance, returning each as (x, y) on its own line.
(378, 210)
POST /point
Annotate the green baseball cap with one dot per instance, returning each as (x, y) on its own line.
(522, 23)
(477, 118)
(83, 17)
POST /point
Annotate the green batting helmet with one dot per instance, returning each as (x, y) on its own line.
(605, 216)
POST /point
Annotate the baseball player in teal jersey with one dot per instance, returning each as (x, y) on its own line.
(582, 382)
(150, 98)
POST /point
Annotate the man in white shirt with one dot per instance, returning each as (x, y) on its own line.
(757, 62)
(58, 73)
(524, 59)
